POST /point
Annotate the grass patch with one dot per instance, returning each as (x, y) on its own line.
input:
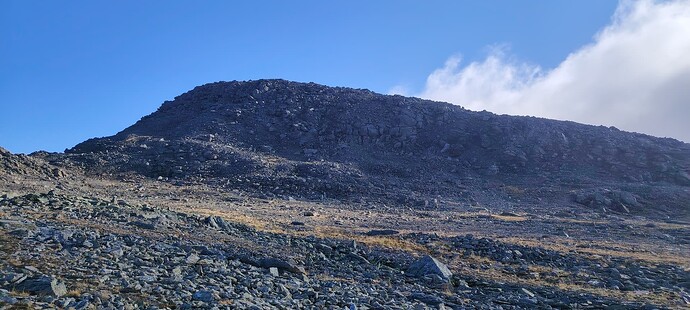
(74, 292)
(390, 242)
(509, 218)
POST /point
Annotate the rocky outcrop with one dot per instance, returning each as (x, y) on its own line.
(23, 166)
(288, 139)
(302, 121)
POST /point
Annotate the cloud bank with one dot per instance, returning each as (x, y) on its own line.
(635, 75)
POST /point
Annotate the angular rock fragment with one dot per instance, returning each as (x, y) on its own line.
(428, 265)
(217, 222)
(274, 271)
(281, 264)
(41, 285)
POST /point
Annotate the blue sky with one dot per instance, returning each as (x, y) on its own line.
(72, 70)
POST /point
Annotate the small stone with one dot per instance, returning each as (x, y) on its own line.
(530, 294)
(274, 271)
(177, 271)
(117, 252)
(192, 259)
(205, 296)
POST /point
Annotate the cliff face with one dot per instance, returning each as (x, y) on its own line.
(281, 137)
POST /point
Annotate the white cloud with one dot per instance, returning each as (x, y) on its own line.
(635, 75)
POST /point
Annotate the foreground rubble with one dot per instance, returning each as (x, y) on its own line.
(86, 253)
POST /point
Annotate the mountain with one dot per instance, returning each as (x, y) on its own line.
(282, 138)
(272, 194)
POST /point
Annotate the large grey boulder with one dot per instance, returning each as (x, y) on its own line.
(41, 285)
(428, 265)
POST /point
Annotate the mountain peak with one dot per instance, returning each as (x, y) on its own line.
(336, 136)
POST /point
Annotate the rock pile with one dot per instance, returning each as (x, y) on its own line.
(81, 252)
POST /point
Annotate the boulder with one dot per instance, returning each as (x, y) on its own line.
(217, 222)
(428, 265)
(41, 285)
(281, 265)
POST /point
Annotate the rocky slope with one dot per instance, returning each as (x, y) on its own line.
(272, 194)
(281, 138)
(12, 166)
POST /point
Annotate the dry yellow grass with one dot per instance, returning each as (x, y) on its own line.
(458, 265)
(509, 218)
(590, 248)
(16, 293)
(74, 292)
(326, 277)
(390, 242)
(235, 217)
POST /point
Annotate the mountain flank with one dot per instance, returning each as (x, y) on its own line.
(280, 138)
(273, 194)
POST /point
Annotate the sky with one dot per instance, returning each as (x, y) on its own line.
(74, 70)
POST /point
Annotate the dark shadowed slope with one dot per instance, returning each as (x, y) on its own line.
(286, 138)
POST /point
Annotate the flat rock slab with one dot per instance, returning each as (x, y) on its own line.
(41, 285)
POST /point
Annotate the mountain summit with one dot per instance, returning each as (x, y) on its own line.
(279, 137)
